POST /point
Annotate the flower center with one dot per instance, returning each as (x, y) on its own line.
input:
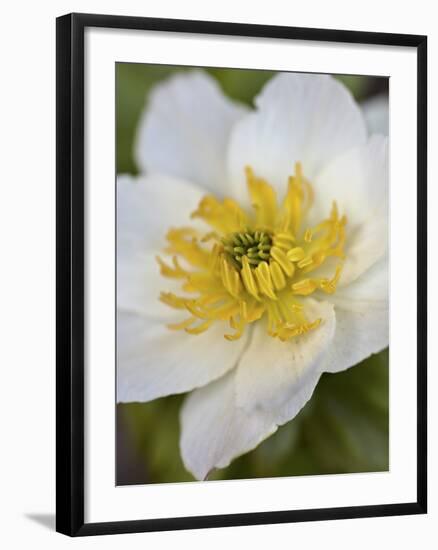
(254, 265)
(255, 245)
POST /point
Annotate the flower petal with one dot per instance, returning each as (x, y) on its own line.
(300, 117)
(154, 361)
(140, 283)
(270, 385)
(376, 113)
(185, 128)
(371, 287)
(271, 373)
(362, 319)
(148, 206)
(214, 430)
(358, 182)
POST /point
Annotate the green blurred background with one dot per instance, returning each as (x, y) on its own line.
(344, 427)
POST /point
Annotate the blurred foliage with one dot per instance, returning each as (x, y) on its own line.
(344, 427)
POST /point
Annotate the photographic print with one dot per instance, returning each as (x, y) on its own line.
(228, 305)
(252, 274)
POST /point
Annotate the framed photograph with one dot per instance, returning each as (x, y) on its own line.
(241, 274)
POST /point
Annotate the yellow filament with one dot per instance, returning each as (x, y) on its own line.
(173, 301)
(263, 198)
(199, 329)
(183, 325)
(225, 217)
(175, 272)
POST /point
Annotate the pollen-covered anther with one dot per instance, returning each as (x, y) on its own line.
(264, 280)
(295, 254)
(277, 275)
(281, 258)
(254, 265)
(249, 279)
(230, 278)
(284, 241)
(304, 287)
(305, 262)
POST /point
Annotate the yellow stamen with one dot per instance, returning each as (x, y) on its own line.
(277, 275)
(263, 198)
(173, 301)
(329, 286)
(263, 276)
(202, 327)
(281, 258)
(295, 254)
(304, 287)
(248, 278)
(182, 325)
(230, 278)
(305, 262)
(225, 217)
(175, 273)
(254, 265)
(308, 236)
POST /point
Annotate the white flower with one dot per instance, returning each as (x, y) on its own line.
(297, 285)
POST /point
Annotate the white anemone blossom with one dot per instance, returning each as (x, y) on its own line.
(252, 255)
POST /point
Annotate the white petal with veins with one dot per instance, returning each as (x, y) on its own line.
(270, 372)
(362, 319)
(358, 182)
(185, 129)
(140, 283)
(147, 207)
(214, 430)
(299, 118)
(153, 361)
(358, 335)
(271, 384)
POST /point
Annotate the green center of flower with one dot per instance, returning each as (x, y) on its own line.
(255, 245)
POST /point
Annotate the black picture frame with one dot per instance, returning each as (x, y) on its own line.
(70, 273)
